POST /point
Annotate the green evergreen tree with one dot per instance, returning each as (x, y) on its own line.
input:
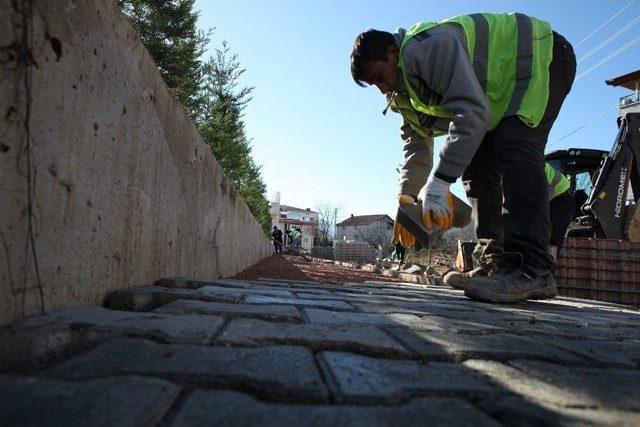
(168, 30)
(222, 128)
(208, 90)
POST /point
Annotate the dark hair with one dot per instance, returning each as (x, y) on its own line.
(370, 45)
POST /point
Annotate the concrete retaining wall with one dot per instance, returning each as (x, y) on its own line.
(104, 181)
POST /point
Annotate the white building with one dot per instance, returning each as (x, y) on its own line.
(629, 103)
(373, 229)
(286, 217)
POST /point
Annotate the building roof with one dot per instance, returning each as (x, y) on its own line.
(628, 80)
(294, 209)
(363, 219)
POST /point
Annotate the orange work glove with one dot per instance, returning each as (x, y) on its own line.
(437, 204)
(400, 234)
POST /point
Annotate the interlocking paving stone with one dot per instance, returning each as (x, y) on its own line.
(277, 371)
(565, 386)
(219, 290)
(321, 296)
(573, 331)
(32, 341)
(150, 297)
(516, 410)
(432, 345)
(607, 353)
(573, 317)
(473, 327)
(279, 313)
(563, 361)
(614, 388)
(358, 338)
(192, 329)
(193, 283)
(123, 401)
(223, 408)
(365, 379)
(440, 309)
(374, 298)
(289, 282)
(391, 319)
(263, 299)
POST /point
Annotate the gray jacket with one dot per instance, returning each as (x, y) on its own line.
(439, 68)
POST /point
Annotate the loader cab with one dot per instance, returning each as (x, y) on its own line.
(580, 165)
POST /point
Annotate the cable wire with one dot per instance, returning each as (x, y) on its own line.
(584, 125)
(608, 58)
(609, 40)
(605, 23)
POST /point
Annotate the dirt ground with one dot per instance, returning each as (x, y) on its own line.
(293, 267)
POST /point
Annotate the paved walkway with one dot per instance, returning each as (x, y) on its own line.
(274, 353)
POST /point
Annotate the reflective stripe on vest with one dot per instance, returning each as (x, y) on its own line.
(510, 53)
(557, 182)
(401, 104)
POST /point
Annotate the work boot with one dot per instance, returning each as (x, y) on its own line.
(511, 284)
(459, 280)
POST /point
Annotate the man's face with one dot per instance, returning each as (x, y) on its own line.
(384, 74)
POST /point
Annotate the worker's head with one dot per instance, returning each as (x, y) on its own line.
(374, 60)
(275, 228)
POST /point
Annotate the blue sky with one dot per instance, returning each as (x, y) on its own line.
(320, 137)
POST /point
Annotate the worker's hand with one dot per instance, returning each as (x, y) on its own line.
(437, 204)
(400, 234)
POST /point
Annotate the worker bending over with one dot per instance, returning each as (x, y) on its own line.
(495, 84)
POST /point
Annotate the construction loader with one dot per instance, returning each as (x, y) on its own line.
(606, 184)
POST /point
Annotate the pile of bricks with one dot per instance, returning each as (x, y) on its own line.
(600, 269)
(348, 250)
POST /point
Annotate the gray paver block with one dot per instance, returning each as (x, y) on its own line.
(432, 345)
(321, 296)
(290, 282)
(276, 371)
(191, 283)
(123, 401)
(358, 338)
(612, 388)
(31, 342)
(390, 319)
(264, 299)
(224, 408)
(571, 331)
(192, 329)
(150, 297)
(516, 410)
(365, 379)
(279, 313)
(421, 309)
(219, 290)
(606, 353)
(565, 386)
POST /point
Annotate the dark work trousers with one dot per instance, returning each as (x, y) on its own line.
(505, 181)
(561, 211)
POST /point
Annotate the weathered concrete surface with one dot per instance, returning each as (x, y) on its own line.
(104, 181)
(396, 357)
(207, 408)
(124, 401)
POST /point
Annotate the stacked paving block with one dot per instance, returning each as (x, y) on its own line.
(351, 251)
(600, 269)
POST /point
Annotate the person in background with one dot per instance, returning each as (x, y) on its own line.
(276, 234)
